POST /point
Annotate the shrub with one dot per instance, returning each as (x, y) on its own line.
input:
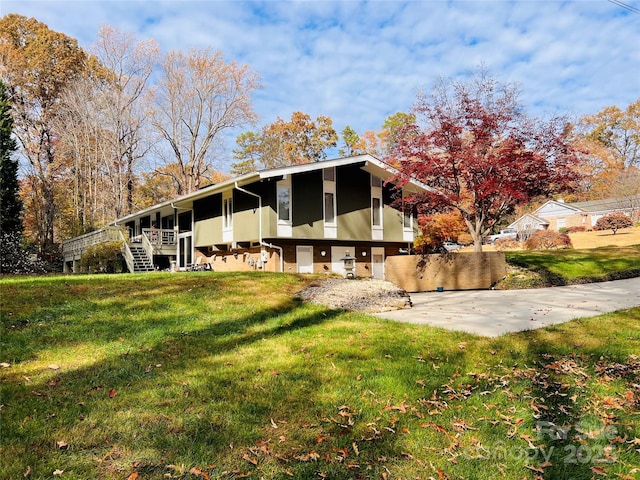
(574, 229)
(102, 258)
(14, 257)
(546, 239)
(613, 222)
(507, 244)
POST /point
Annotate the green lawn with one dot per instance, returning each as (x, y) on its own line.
(571, 266)
(213, 375)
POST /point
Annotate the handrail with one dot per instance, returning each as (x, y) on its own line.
(146, 244)
(126, 253)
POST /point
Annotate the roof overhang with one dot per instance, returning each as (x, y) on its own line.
(367, 162)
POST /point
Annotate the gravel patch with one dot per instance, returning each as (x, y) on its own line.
(362, 295)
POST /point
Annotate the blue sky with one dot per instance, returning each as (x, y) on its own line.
(359, 62)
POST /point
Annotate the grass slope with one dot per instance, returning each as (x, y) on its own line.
(545, 268)
(212, 375)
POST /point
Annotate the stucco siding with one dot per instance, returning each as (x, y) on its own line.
(307, 206)
(208, 232)
(353, 194)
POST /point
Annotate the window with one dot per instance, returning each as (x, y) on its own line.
(407, 219)
(376, 212)
(227, 205)
(284, 203)
(329, 208)
(407, 225)
(330, 214)
(377, 232)
(284, 207)
(329, 174)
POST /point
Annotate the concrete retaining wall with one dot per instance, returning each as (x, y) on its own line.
(453, 271)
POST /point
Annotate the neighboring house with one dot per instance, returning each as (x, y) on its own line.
(556, 214)
(303, 218)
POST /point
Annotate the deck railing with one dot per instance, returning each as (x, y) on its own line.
(160, 237)
(74, 248)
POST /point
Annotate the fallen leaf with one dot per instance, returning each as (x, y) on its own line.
(133, 476)
(62, 445)
(599, 470)
(535, 469)
(27, 472)
(57, 473)
(112, 393)
(249, 459)
(5, 365)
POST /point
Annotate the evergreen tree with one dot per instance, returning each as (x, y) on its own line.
(10, 203)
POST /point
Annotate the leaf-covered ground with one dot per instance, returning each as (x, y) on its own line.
(209, 375)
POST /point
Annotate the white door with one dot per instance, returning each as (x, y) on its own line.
(337, 265)
(185, 250)
(304, 259)
(377, 262)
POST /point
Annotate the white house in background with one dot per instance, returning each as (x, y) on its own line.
(556, 214)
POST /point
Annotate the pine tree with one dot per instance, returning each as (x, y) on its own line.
(10, 203)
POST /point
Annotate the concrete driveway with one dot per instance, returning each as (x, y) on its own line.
(495, 312)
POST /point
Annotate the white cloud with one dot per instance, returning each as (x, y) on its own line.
(359, 62)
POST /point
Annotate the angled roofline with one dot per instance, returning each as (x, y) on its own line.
(563, 204)
(371, 164)
(527, 215)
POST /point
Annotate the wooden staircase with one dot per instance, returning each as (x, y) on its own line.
(141, 261)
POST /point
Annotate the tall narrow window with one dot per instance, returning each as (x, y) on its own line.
(284, 203)
(284, 207)
(329, 189)
(407, 219)
(329, 208)
(377, 231)
(227, 216)
(376, 212)
(228, 213)
(407, 225)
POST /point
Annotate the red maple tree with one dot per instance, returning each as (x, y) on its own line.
(480, 154)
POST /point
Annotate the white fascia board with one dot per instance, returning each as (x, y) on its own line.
(371, 165)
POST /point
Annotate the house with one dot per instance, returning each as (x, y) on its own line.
(303, 218)
(556, 214)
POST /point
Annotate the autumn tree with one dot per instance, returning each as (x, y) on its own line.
(129, 64)
(104, 117)
(351, 143)
(438, 228)
(393, 130)
(300, 140)
(37, 66)
(610, 144)
(479, 154)
(613, 221)
(10, 203)
(618, 131)
(199, 99)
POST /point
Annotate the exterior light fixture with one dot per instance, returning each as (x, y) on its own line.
(349, 265)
